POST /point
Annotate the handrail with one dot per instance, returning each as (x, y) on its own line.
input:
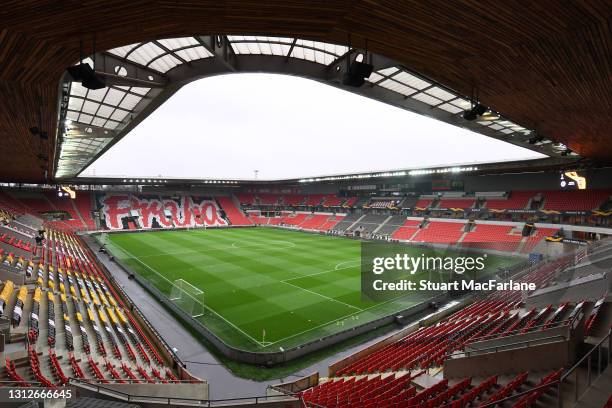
(24, 381)
(167, 400)
(133, 307)
(137, 381)
(563, 377)
(527, 344)
(486, 337)
(297, 395)
(575, 366)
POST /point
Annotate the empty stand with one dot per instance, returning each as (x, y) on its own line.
(292, 199)
(457, 203)
(245, 198)
(423, 203)
(234, 214)
(440, 232)
(495, 237)
(517, 200)
(537, 237)
(407, 230)
(313, 200)
(332, 201)
(294, 219)
(314, 221)
(575, 200)
(76, 326)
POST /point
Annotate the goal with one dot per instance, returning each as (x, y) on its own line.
(188, 297)
(103, 238)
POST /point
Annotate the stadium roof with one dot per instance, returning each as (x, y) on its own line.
(100, 116)
(288, 127)
(546, 66)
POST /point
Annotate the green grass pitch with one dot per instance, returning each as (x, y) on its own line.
(264, 288)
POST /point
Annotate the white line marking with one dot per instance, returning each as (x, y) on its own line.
(283, 281)
(233, 246)
(336, 320)
(345, 262)
(316, 273)
(263, 244)
(206, 306)
(323, 296)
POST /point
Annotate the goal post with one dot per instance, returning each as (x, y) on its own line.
(187, 297)
(103, 238)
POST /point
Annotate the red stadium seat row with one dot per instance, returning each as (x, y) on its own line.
(495, 237)
(470, 396)
(295, 200)
(527, 400)
(315, 222)
(429, 345)
(488, 318)
(508, 389)
(575, 200)
(593, 316)
(67, 268)
(456, 203)
(440, 232)
(361, 392)
(17, 242)
(424, 203)
(13, 375)
(407, 230)
(233, 213)
(517, 200)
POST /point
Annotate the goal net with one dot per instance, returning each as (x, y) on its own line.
(187, 297)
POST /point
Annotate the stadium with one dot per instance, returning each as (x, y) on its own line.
(305, 204)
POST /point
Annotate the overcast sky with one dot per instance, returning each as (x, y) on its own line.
(287, 127)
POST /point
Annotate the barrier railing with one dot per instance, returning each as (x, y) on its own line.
(564, 381)
(128, 397)
(509, 346)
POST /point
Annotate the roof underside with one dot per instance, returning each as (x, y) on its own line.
(547, 66)
(96, 119)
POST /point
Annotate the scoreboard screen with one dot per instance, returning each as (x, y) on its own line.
(572, 180)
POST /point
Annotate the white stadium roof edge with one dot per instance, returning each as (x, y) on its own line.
(141, 76)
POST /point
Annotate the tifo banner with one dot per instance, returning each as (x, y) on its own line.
(152, 212)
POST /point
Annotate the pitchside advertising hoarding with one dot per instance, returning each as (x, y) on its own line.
(390, 271)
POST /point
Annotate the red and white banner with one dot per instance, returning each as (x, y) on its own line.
(185, 211)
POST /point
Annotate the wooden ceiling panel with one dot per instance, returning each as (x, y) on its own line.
(545, 64)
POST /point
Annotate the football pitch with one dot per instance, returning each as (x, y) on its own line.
(264, 288)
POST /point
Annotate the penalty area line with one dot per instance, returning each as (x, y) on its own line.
(206, 306)
(323, 296)
(334, 321)
(316, 273)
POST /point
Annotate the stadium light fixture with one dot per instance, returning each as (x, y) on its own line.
(357, 70)
(535, 140)
(84, 73)
(476, 111)
(490, 115)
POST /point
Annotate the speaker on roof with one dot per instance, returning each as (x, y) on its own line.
(357, 73)
(85, 74)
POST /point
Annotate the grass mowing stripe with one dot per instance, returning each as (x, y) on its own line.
(206, 306)
(319, 273)
(296, 293)
(323, 296)
(343, 317)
